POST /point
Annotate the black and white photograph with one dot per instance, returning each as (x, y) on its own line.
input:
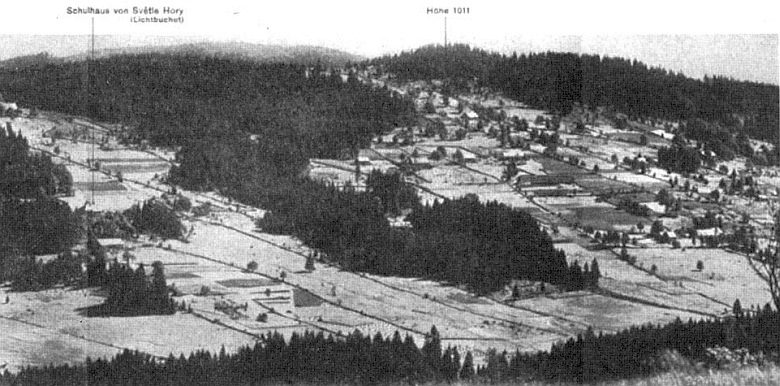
(391, 193)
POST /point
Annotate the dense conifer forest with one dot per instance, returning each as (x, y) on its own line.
(32, 220)
(482, 246)
(555, 81)
(174, 99)
(129, 292)
(359, 359)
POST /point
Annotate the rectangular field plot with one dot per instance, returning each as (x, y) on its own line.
(572, 202)
(494, 170)
(652, 139)
(100, 186)
(305, 299)
(181, 275)
(551, 166)
(453, 175)
(109, 160)
(132, 167)
(246, 283)
(641, 197)
(603, 218)
(508, 197)
(645, 181)
(464, 298)
(598, 184)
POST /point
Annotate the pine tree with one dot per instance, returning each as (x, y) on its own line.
(159, 290)
(595, 271)
(737, 309)
(467, 370)
(432, 352)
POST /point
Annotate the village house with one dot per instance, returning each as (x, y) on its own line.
(469, 157)
(709, 232)
(510, 155)
(470, 119)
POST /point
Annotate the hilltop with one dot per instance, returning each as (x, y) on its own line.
(273, 53)
(262, 53)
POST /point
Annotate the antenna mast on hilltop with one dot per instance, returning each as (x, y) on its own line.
(445, 31)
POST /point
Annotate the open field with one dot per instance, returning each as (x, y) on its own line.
(640, 180)
(603, 183)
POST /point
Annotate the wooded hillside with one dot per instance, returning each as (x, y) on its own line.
(554, 81)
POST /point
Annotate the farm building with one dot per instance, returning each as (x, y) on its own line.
(511, 155)
(399, 223)
(709, 232)
(469, 157)
(470, 119)
(363, 161)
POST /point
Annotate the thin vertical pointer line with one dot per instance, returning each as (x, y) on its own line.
(91, 101)
(445, 32)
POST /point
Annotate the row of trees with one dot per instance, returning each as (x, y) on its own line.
(309, 357)
(304, 358)
(639, 350)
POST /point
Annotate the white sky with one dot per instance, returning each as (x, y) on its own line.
(738, 39)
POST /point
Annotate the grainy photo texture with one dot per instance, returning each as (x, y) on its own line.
(442, 196)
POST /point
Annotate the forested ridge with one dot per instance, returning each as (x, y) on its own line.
(554, 81)
(171, 99)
